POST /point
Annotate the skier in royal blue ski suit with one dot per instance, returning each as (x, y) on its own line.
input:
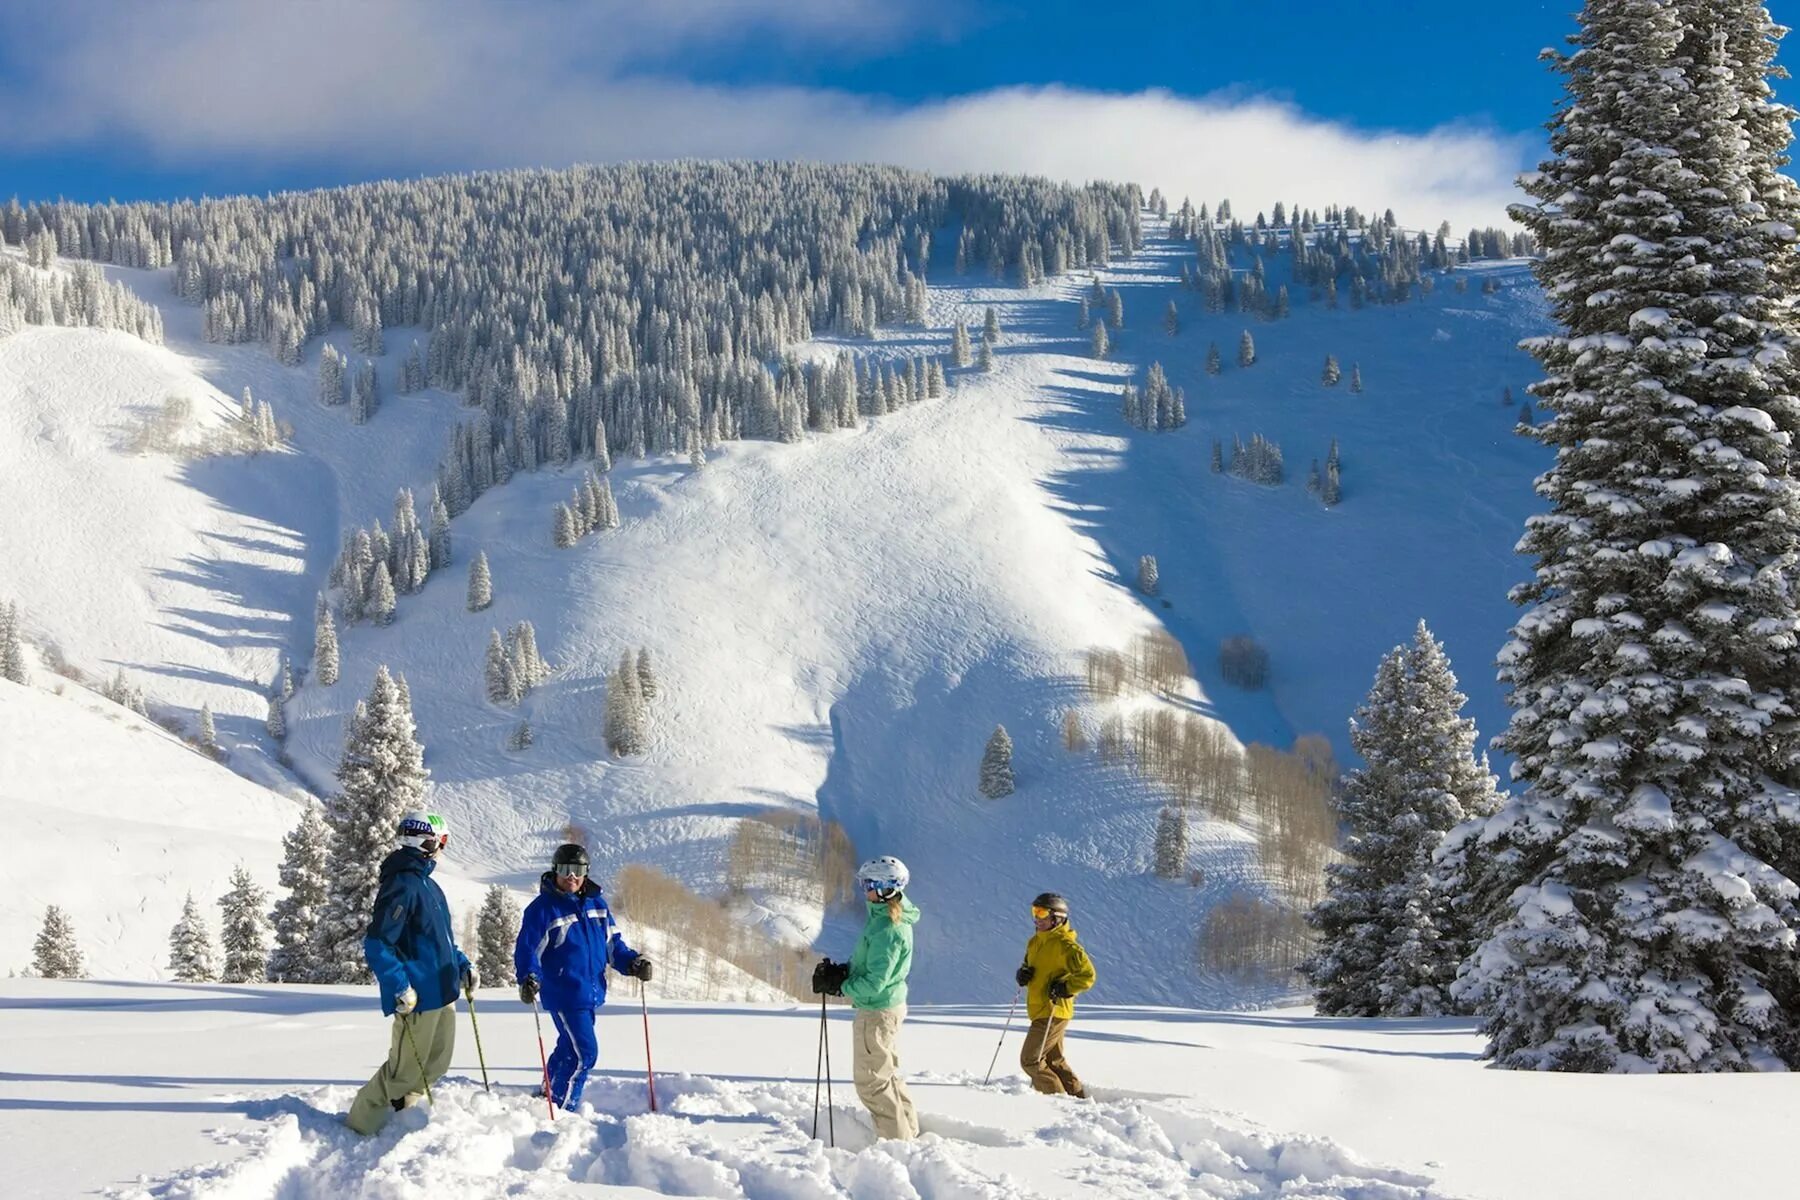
(566, 941)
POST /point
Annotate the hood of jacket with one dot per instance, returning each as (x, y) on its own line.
(406, 861)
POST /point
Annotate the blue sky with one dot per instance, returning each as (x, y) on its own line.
(1407, 103)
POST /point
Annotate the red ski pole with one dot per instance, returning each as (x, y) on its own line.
(538, 1020)
(649, 1070)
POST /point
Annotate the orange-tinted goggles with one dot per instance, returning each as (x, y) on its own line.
(1039, 912)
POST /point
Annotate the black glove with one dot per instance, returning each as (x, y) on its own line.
(642, 968)
(469, 978)
(1059, 990)
(528, 990)
(828, 978)
(1023, 975)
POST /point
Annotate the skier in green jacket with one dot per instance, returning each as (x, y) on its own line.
(874, 980)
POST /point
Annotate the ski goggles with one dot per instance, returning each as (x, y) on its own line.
(881, 887)
(432, 845)
(571, 870)
(1040, 913)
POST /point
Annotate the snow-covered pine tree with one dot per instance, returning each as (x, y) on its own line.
(440, 531)
(961, 352)
(481, 584)
(1147, 576)
(1389, 943)
(1246, 350)
(1172, 319)
(1650, 864)
(1083, 318)
(495, 929)
(382, 601)
(191, 958)
(996, 765)
(1356, 383)
(296, 915)
(331, 376)
(498, 677)
(1099, 345)
(984, 355)
(1171, 847)
(55, 954)
(276, 722)
(1213, 361)
(521, 737)
(244, 930)
(1115, 309)
(325, 649)
(12, 644)
(383, 775)
(625, 717)
(563, 527)
(207, 735)
(647, 685)
(1330, 376)
(284, 690)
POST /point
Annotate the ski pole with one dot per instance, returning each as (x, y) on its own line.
(479, 1056)
(406, 1027)
(830, 1113)
(538, 1020)
(1003, 1031)
(649, 1070)
(819, 1067)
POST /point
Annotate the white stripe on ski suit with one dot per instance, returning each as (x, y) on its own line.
(562, 923)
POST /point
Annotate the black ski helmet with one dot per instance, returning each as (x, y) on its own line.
(569, 854)
(1054, 903)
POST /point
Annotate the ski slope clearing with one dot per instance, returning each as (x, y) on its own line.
(114, 819)
(146, 1090)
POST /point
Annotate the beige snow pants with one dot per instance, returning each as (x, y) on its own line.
(398, 1083)
(877, 1064)
(1042, 1058)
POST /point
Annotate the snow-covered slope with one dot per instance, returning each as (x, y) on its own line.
(838, 625)
(147, 1090)
(114, 819)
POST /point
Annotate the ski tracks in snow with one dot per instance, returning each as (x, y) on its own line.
(751, 1139)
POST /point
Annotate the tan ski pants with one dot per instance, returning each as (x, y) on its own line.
(398, 1083)
(877, 1064)
(1042, 1058)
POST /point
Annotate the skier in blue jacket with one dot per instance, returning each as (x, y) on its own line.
(412, 951)
(566, 941)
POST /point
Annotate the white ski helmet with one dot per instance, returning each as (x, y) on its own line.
(418, 827)
(885, 876)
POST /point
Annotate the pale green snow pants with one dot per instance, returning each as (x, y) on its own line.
(398, 1082)
(876, 1032)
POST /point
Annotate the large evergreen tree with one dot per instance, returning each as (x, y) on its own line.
(481, 584)
(243, 930)
(382, 775)
(1648, 870)
(325, 649)
(190, 947)
(1387, 945)
(296, 915)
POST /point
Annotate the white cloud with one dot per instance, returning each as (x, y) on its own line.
(406, 86)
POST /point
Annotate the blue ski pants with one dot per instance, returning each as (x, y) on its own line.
(577, 1050)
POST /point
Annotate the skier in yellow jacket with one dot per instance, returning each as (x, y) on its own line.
(1056, 970)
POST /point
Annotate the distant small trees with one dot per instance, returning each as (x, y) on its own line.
(1147, 575)
(627, 710)
(12, 644)
(1356, 382)
(1330, 376)
(1172, 320)
(1158, 408)
(961, 352)
(1170, 850)
(55, 955)
(190, 947)
(325, 648)
(1244, 662)
(513, 666)
(996, 765)
(1246, 350)
(481, 584)
(1258, 462)
(243, 930)
(1099, 345)
(495, 928)
(1213, 362)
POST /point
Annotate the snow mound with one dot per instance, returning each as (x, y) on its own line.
(726, 1138)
